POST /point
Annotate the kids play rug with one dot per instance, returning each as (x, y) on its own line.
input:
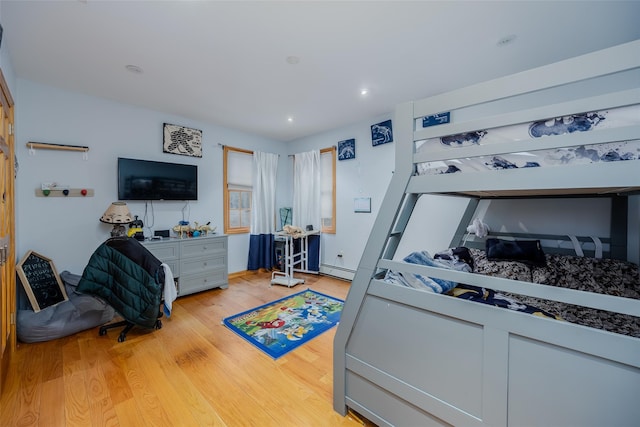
(285, 324)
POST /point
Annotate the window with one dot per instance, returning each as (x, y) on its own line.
(238, 175)
(328, 189)
(238, 167)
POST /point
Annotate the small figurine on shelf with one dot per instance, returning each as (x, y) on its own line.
(182, 228)
(203, 230)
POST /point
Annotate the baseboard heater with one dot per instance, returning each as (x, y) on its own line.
(335, 271)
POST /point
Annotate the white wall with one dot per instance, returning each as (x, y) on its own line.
(7, 70)
(435, 219)
(67, 230)
(5, 62)
(368, 175)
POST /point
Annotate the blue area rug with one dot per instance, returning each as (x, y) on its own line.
(285, 324)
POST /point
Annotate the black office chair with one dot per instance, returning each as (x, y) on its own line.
(128, 277)
(127, 327)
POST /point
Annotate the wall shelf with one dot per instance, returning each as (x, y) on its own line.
(64, 147)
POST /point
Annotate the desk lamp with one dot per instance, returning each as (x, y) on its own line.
(117, 214)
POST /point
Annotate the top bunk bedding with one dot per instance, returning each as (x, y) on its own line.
(535, 158)
(493, 139)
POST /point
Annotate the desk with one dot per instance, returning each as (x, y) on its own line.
(293, 261)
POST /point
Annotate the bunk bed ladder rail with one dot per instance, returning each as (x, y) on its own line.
(390, 224)
(402, 219)
(395, 221)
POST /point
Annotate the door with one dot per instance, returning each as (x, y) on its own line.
(7, 232)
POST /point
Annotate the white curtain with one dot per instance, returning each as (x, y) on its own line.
(306, 189)
(265, 168)
(263, 215)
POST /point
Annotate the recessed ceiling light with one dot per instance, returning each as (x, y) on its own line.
(506, 40)
(292, 59)
(290, 119)
(134, 69)
(363, 92)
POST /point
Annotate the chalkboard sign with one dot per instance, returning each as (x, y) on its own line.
(41, 281)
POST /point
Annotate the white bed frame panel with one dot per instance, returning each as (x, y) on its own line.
(409, 357)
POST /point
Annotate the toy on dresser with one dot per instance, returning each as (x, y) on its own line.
(183, 229)
(135, 229)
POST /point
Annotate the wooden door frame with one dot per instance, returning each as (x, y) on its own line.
(7, 141)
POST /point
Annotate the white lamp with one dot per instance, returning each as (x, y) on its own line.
(117, 214)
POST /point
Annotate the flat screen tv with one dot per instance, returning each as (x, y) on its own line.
(150, 180)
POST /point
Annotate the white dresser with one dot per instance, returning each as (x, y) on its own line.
(197, 263)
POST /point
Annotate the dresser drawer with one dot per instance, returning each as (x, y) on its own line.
(164, 250)
(191, 283)
(201, 264)
(203, 246)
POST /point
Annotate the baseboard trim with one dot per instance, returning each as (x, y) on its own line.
(339, 272)
(329, 270)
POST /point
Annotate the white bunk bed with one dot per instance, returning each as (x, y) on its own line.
(408, 357)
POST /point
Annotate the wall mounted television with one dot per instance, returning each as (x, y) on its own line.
(151, 180)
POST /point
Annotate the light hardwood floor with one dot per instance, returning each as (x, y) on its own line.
(192, 372)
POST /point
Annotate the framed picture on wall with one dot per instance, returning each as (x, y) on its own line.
(381, 133)
(182, 140)
(347, 149)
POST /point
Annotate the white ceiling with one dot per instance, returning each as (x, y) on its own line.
(224, 62)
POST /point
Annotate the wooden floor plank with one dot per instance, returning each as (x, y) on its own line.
(52, 403)
(129, 415)
(194, 371)
(145, 393)
(27, 405)
(77, 411)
